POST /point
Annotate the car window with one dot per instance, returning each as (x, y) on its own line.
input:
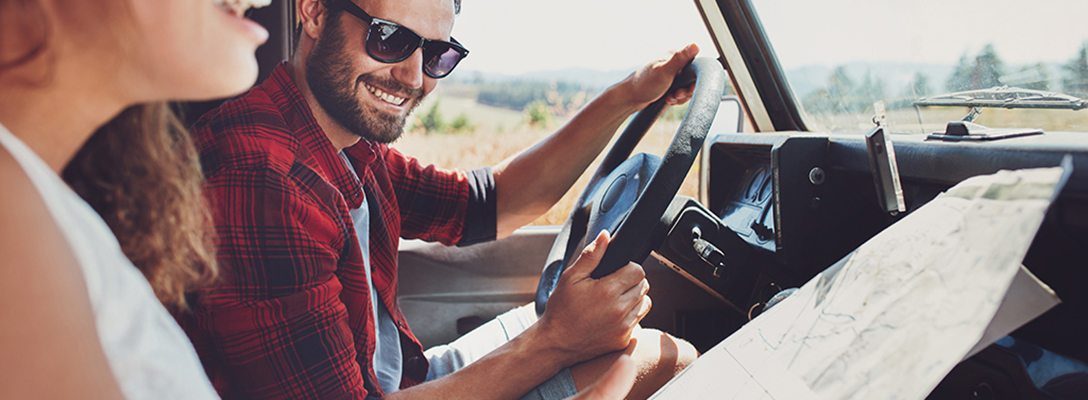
(533, 65)
(841, 56)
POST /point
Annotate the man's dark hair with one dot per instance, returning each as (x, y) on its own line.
(334, 12)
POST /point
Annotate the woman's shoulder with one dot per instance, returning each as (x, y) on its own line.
(33, 244)
(28, 228)
(46, 310)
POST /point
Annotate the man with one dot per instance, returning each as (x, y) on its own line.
(309, 203)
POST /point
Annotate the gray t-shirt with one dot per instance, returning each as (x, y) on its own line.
(388, 360)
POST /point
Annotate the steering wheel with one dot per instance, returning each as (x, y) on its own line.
(628, 196)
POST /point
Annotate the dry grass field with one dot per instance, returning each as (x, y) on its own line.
(499, 135)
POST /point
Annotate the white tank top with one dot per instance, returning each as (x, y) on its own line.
(149, 354)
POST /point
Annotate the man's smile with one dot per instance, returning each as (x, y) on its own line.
(386, 97)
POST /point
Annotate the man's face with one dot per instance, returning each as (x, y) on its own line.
(370, 98)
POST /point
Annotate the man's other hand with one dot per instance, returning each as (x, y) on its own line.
(587, 317)
(652, 80)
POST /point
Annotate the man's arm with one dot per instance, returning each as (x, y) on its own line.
(529, 183)
(586, 318)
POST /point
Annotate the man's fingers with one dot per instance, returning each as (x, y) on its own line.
(644, 307)
(639, 311)
(673, 65)
(626, 279)
(634, 303)
(637, 290)
(629, 286)
(590, 257)
(681, 58)
(680, 96)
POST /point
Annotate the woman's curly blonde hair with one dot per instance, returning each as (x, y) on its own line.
(141, 173)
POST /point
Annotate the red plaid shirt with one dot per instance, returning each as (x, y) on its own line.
(291, 317)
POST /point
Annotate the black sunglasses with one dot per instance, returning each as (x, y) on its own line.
(390, 42)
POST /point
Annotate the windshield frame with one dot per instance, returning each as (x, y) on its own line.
(774, 96)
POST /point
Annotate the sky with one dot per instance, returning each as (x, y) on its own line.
(516, 36)
(923, 31)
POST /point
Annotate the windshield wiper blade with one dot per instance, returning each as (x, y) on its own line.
(1005, 97)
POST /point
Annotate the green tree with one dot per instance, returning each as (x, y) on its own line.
(988, 68)
(839, 84)
(984, 72)
(461, 124)
(538, 113)
(918, 86)
(818, 102)
(517, 95)
(961, 78)
(432, 120)
(1031, 77)
(870, 91)
(837, 97)
(1075, 73)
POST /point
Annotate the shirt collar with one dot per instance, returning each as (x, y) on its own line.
(300, 119)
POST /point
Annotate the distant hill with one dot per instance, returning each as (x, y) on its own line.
(804, 80)
(896, 76)
(513, 91)
(593, 80)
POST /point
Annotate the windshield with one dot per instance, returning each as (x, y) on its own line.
(1023, 64)
(533, 65)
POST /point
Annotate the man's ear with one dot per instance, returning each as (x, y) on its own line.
(311, 15)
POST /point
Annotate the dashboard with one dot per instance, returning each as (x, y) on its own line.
(784, 206)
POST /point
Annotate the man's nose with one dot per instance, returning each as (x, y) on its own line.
(410, 71)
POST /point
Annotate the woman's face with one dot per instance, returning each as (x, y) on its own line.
(192, 50)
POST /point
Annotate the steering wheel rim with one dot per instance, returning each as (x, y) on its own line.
(637, 230)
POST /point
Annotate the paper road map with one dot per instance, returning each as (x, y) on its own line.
(890, 320)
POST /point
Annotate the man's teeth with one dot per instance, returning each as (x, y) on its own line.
(388, 98)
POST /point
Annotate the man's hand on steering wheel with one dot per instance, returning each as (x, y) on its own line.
(587, 317)
(628, 194)
(652, 81)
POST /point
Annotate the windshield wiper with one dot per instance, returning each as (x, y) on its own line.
(1005, 97)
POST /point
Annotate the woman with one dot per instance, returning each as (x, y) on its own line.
(81, 89)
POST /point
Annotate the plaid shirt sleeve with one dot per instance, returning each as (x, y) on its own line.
(276, 320)
(438, 205)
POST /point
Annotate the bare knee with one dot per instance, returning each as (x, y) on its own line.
(657, 355)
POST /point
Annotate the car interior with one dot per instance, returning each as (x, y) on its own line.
(780, 200)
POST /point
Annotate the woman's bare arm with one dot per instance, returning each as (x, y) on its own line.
(48, 344)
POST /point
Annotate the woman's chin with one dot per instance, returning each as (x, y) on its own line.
(225, 81)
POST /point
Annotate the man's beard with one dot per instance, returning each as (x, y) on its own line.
(328, 72)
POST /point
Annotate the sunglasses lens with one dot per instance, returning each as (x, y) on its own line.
(440, 59)
(391, 43)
